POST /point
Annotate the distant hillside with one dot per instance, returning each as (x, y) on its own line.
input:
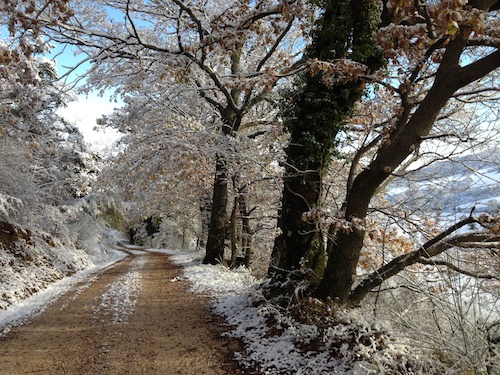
(452, 187)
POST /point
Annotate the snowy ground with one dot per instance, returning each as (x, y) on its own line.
(24, 309)
(238, 298)
(359, 346)
(120, 299)
(233, 292)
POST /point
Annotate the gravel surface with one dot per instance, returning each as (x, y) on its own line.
(133, 318)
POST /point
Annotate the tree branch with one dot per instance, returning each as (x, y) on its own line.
(431, 248)
(450, 265)
(357, 157)
(276, 44)
(477, 69)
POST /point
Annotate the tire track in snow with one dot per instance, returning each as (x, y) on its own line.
(119, 301)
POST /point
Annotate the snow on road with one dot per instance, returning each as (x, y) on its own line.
(236, 297)
(119, 301)
(128, 319)
(24, 310)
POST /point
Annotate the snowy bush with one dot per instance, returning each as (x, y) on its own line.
(36, 259)
(453, 319)
(9, 206)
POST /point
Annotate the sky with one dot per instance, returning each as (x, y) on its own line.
(86, 108)
(83, 112)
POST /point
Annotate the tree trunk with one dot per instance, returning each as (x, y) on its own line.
(314, 118)
(205, 212)
(232, 233)
(346, 247)
(300, 242)
(218, 218)
(184, 229)
(231, 118)
(247, 233)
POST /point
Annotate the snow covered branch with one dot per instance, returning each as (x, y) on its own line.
(431, 248)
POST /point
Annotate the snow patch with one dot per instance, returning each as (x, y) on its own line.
(24, 310)
(235, 293)
(275, 343)
(119, 301)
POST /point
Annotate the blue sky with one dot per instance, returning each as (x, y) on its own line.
(65, 58)
(86, 108)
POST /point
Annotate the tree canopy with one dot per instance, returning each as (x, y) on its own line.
(293, 132)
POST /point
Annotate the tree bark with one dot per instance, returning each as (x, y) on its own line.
(233, 233)
(218, 218)
(205, 210)
(247, 233)
(301, 193)
(317, 114)
(231, 118)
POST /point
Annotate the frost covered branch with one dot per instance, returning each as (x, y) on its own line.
(431, 248)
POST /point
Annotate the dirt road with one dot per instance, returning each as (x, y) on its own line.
(130, 319)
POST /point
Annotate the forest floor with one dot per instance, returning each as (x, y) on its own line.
(135, 317)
